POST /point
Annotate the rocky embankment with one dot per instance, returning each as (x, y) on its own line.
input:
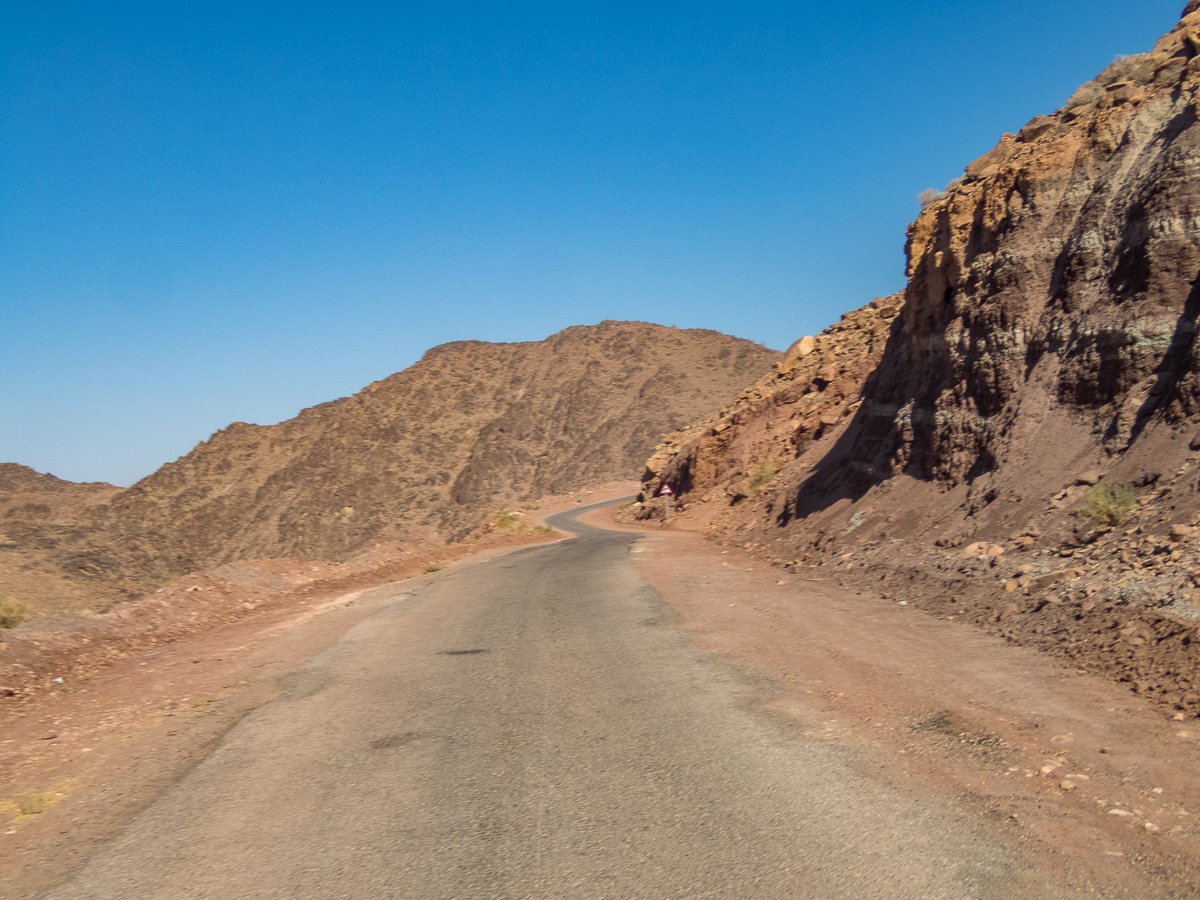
(1045, 342)
(817, 387)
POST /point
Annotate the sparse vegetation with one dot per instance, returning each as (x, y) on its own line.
(763, 471)
(930, 195)
(1106, 507)
(13, 613)
(429, 570)
(31, 803)
(527, 506)
(515, 521)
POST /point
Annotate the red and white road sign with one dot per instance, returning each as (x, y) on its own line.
(665, 490)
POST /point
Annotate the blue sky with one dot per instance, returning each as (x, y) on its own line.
(229, 212)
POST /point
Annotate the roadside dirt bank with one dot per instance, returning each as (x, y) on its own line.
(1081, 774)
(80, 758)
(940, 705)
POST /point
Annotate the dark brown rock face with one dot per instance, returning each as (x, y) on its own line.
(1038, 398)
(422, 455)
(1050, 318)
(1053, 288)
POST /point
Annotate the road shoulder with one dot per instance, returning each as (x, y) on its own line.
(1073, 770)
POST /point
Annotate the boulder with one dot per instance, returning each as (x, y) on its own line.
(1182, 532)
(1172, 71)
(1038, 126)
(993, 158)
(1123, 92)
(798, 351)
(1045, 581)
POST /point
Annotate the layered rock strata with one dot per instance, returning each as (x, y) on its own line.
(1050, 314)
(1047, 342)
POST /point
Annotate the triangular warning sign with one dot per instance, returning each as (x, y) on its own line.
(665, 490)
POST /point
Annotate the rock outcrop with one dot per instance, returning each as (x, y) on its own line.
(1059, 274)
(1046, 343)
(790, 411)
(1049, 322)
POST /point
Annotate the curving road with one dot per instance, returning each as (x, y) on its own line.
(534, 727)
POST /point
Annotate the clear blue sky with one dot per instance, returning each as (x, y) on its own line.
(227, 212)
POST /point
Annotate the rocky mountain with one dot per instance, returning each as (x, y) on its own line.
(35, 509)
(423, 455)
(26, 494)
(1045, 342)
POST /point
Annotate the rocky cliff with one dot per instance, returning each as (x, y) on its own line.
(1053, 286)
(1046, 341)
(784, 417)
(1048, 324)
(421, 456)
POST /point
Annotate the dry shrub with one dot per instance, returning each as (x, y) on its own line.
(1106, 508)
(763, 471)
(13, 613)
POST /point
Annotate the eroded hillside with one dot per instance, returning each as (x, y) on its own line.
(1045, 342)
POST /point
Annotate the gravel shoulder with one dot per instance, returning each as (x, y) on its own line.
(1082, 774)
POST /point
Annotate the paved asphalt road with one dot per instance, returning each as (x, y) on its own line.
(534, 727)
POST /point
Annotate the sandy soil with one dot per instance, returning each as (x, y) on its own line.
(1076, 772)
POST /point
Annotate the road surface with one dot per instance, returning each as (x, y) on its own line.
(534, 726)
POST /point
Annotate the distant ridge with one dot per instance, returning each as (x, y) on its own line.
(423, 455)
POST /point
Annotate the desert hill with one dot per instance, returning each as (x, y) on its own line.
(942, 444)
(423, 455)
(26, 494)
(35, 509)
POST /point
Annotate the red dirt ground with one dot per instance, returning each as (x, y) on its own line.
(1081, 774)
(940, 705)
